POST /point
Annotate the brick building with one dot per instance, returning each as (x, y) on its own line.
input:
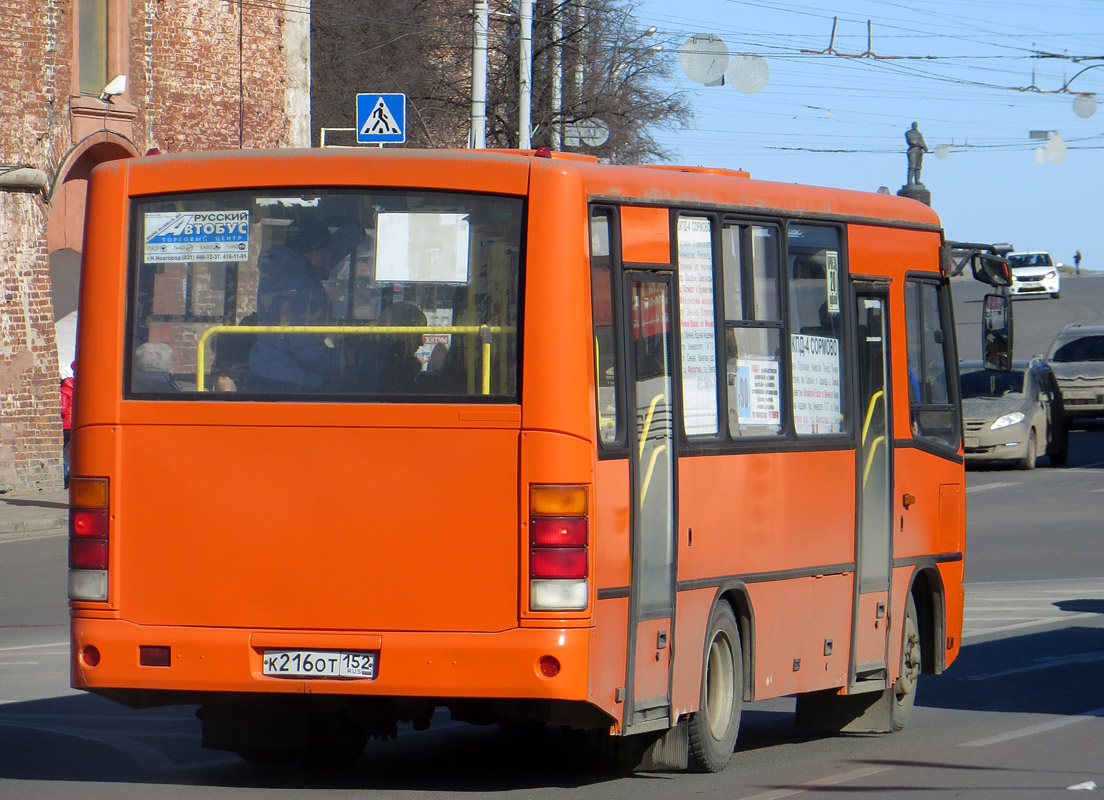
(199, 75)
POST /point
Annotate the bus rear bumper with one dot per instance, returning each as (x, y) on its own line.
(107, 657)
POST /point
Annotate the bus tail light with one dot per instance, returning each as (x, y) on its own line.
(559, 539)
(89, 538)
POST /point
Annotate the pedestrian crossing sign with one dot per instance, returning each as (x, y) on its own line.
(381, 118)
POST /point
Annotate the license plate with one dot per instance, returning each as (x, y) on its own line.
(318, 664)
(971, 441)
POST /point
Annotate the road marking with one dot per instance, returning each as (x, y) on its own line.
(33, 646)
(1042, 727)
(18, 663)
(830, 780)
(989, 486)
(1018, 625)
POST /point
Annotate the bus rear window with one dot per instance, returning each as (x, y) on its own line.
(379, 295)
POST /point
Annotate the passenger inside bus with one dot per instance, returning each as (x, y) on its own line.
(153, 365)
(401, 367)
(231, 362)
(290, 292)
(386, 362)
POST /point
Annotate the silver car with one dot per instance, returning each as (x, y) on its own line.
(1013, 416)
(1077, 358)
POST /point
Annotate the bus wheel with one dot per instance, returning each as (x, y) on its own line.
(904, 688)
(714, 727)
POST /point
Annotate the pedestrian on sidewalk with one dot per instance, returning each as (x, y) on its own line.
(66, 420)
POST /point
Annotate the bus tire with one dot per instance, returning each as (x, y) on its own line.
(904, 688)
(713, 728)
(885, 711)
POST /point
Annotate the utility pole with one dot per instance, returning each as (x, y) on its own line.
(525, 75)
(557, 78)
(477, 138)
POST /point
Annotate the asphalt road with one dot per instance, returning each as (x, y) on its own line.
(1020, 714)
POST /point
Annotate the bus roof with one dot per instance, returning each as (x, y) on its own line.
(508, 172)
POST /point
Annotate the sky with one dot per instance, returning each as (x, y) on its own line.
(976, 76)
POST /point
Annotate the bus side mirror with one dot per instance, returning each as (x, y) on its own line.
(992, 270)
(996, 330)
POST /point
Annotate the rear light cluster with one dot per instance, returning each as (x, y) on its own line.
(559, 539)
(89, 529)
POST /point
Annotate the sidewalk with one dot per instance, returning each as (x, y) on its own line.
(27, 514)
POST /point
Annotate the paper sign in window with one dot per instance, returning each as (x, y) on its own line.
(422, 248)
(698, 333)
(816, 383)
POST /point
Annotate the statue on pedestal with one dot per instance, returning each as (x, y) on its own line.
(916, 149)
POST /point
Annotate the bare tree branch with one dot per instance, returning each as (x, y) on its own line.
(612, 71)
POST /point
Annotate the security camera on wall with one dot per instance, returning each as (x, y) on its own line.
(116, 87)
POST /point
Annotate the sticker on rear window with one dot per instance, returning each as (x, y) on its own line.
(196, 236)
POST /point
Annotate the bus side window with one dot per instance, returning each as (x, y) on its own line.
(932, 411)
(750, 256)
(817, 348)
(605, 352)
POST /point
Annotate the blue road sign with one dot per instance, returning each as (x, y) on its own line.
(381, 118)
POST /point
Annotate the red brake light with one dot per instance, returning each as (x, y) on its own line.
(89, 523)
(88, 554)
(558, 562)
(558, 531)
(154, 656)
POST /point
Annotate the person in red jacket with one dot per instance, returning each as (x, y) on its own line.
(66, 421)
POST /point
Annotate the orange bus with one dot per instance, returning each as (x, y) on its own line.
(364, 435)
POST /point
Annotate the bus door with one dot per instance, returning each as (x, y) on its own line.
(652, 591)
(874, 532)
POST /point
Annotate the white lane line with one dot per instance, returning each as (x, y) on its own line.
(988, 486)
(33, 646)
(1042, 727)
(830, 780)
(1018, 625)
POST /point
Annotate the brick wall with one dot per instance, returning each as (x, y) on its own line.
(196, 90)
(30, 436)
(201, 76)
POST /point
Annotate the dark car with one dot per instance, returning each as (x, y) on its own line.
(1013, 416)
(1077, 358)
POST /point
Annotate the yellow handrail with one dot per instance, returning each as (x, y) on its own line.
(648, 421)
(878, 395)
(355, 330)
(878, 442)
(648, 474)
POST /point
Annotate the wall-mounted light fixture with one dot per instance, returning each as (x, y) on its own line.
(115, 87)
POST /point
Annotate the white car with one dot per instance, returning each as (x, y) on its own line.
(1034, 273)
